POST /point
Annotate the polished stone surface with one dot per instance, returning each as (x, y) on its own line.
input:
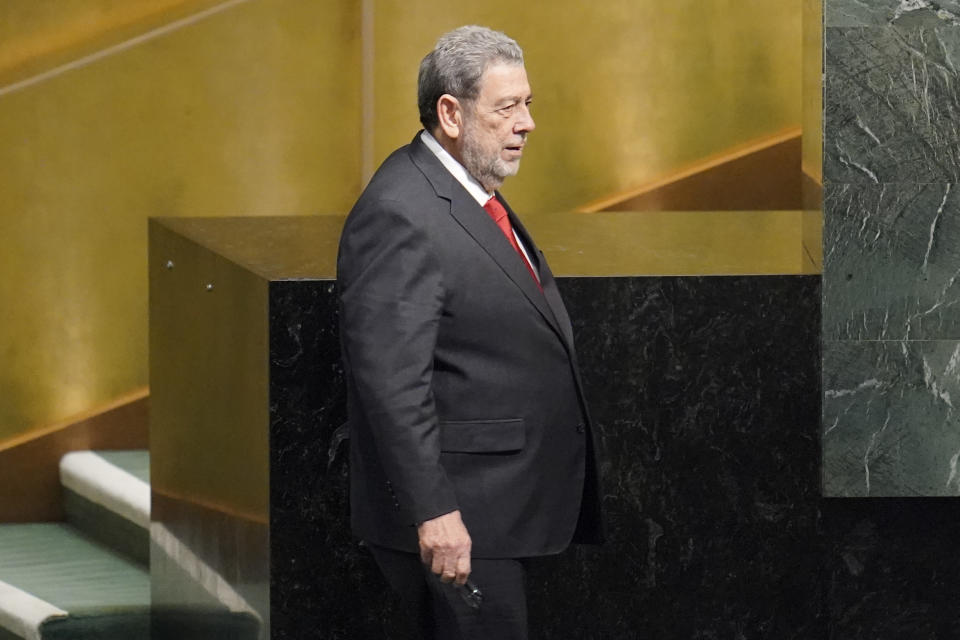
(891, 571)
(890, 105)
(320, 578)
(705, 391)
(859, 13)
(889, 423)
(891, 296)
(892, 262)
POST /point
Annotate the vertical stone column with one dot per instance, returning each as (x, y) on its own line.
(891, 281)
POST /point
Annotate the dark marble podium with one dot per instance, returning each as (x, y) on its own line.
(706, 394)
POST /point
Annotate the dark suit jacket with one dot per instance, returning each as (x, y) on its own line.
(462, 380)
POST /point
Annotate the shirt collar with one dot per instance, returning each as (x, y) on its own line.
(458, 170)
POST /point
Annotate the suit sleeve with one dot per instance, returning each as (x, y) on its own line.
(391, 296)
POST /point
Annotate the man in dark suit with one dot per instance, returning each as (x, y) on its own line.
(471, 448)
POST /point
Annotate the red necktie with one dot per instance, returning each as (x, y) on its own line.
(499, 215)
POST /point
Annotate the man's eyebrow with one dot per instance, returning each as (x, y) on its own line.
(514, 100)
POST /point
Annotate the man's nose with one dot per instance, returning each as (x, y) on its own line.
(525, 121)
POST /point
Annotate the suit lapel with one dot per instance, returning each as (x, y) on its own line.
(486, 233)
(550, 293)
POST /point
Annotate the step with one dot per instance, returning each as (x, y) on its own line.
(59, 584)
(107, 497)
(106, 494)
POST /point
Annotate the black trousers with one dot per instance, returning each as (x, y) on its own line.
(440, 611)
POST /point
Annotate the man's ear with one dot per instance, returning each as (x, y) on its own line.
(449, 111)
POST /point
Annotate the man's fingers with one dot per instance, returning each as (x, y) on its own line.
(444, 565)
(426, 555)
(448, 566)
(463, 569)
(445, 547)
(436, 566)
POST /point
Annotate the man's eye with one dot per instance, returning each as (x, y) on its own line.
(507, 109)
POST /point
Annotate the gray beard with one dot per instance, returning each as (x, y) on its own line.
(489, 170)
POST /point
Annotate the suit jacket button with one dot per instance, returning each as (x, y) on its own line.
(581, 428)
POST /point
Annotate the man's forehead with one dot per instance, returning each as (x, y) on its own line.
(502, 68)
(504, 77)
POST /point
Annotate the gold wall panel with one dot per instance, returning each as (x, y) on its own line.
(30, 488)
(36, 36)
(812, 137)
(813, 89)
(249, 111)
(675, 243)
(757, 177)
(625, 90)
(605, 243)
(208, 369)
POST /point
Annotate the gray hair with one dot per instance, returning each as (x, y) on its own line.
(456, 64)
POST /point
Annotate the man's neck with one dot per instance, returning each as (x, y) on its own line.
(449, 144)
(457, 168)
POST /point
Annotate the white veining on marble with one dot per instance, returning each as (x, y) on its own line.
(876, 211)
(934, 385)
(840, 416)
(913, 76)
(947, 58)
(870, 449)
(921, 53)
(863, 127)
(953, 366)
(933, 230)
(953, 471)
(909, 6)
(926, 79)
(872, 383)
(942, 302)
(850, 163)
(836, 423)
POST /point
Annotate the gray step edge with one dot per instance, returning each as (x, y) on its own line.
(94, 478)
(22, 613)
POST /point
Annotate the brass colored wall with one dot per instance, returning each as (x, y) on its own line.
(812, 138)
(208, 366)
(625, 90)
(35, 36)
(813, 89)
(256, 109)
(252, 110)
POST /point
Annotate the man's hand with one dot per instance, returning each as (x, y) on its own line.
(445, 547)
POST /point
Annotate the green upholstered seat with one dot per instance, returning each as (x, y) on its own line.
(99, 589)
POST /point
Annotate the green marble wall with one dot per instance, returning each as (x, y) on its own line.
(891, 280)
